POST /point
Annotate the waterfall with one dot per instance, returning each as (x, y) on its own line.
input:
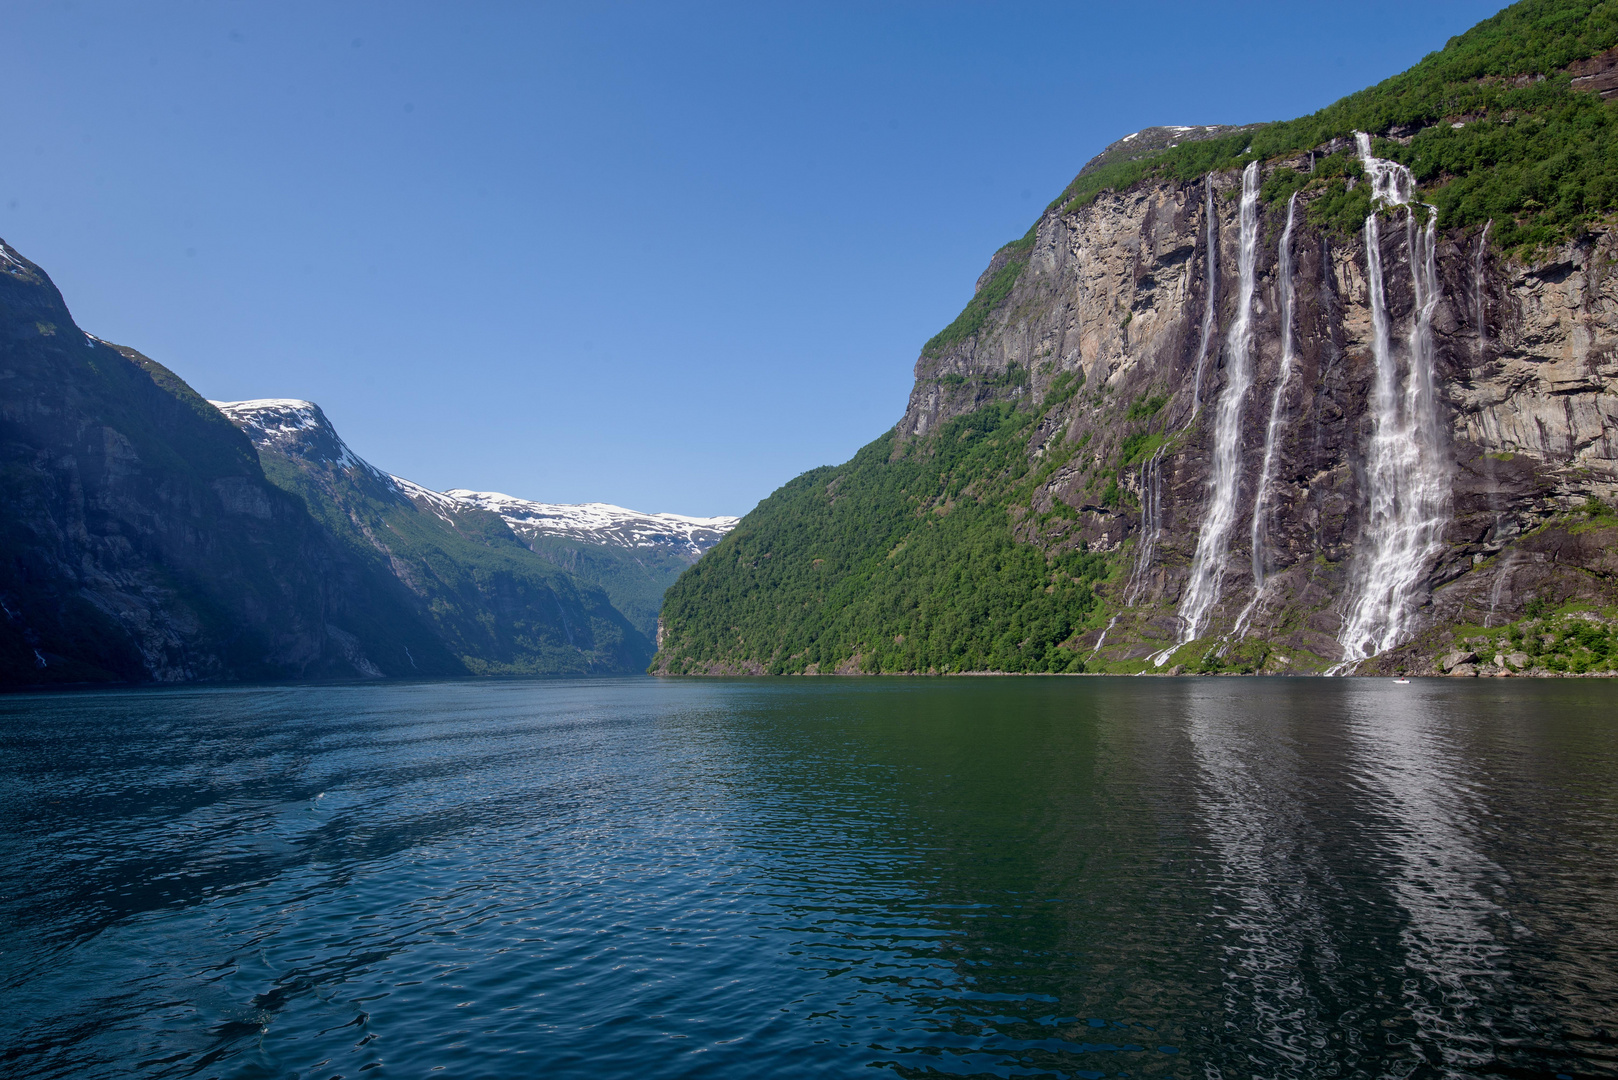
(1408, 481)
(1151, 525)
(1211, 309)
(1208, 566)
(1102, 640)
(1478, 292)
(1288, 298)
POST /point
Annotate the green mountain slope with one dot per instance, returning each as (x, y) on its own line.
(140, 540)
(1003, 539)
(1504, 123)
(902, 560)
(496, 606)
(634, 579)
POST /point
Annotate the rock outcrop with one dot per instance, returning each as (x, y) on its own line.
(1114, 297)
(141, 540)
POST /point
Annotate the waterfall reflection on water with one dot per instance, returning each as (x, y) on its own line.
(776, 878)
(1454, 933)
(1277, 951)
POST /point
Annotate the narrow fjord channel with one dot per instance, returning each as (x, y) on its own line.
(668, 878)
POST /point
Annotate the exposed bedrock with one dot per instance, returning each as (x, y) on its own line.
(1116, 293)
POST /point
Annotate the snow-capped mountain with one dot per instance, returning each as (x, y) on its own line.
(601, 523)
(299, 429)
(295, 428)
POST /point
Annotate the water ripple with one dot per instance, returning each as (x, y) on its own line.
(1020, 877)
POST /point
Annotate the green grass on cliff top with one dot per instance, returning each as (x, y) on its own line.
(1535, 156)
(1532, 154)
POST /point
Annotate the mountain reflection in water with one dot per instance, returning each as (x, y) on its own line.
(966, 877)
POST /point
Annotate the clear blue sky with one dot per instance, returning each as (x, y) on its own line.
(665, 255)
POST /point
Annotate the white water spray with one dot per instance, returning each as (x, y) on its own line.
(1102, 640)
(1408, 481)
(1151, 525)
(1211, 309)
(1478, 292)
(1273, 429)
(1277, 399)
(1208, 565)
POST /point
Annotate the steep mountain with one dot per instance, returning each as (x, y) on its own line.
(1335, 394)
(140, 539)
(633, 557)
(494, 604)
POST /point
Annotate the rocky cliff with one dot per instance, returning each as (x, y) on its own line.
(1335, 394)
(496, 606)
(146, 539)
(1114, 297)
(140, 539)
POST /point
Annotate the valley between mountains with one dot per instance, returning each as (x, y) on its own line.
(153, 536)
(1334, 395)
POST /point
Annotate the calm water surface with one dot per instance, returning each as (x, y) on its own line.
(971, 877)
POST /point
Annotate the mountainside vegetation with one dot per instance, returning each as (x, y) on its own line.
(141, 540)
(145, 538)
(497, 607)
(904, 559)
(1491, 126)
(634, 579)
(1001, 525)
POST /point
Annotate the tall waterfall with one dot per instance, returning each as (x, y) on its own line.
(1478, 293)
(1407, 477)
(1208, 565)
(1277, 399)
(1211, 309)
(1151, 525)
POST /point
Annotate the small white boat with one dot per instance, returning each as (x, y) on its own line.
(1402, 682)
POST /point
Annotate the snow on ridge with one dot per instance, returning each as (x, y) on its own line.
(300, 429)
(283, 422)
(411, 489)
(602, 523)
(289, 414)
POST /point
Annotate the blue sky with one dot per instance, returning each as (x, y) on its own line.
(663, 255)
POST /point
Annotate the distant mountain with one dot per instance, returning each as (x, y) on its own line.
(633, 556)
(141, 540)
(497, 606)
(603, 523)
(151, 536)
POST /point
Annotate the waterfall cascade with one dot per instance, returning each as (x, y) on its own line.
(1479, 296)
(1278, 398)
(1273, 429)
(1151, 525)
(1406, 475)
(1210, 310)
(1213, 541)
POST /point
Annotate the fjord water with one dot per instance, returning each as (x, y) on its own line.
(964, 877)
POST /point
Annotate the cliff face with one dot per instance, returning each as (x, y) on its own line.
(1126, 299)
(495, 605)
(140, 540)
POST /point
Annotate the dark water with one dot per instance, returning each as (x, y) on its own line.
(972, 877)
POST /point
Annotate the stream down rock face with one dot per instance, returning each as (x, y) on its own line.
(1115, 293)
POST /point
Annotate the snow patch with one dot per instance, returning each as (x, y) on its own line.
(293, 426)
(601, 523)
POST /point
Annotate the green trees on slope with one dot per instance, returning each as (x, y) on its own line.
(1499, 132)
(901, 560)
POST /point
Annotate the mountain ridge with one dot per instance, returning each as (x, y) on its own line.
(632, 557)
(1106, 390)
